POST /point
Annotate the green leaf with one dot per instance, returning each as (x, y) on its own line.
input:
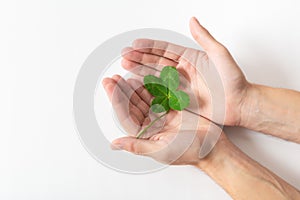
(152, 79)
(178, 100)
(164, 89)
(160, 104)
(170, 77)
(166, 95)
(155, 86)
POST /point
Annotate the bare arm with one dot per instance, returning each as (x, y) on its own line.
(272, 111)
(243, 178)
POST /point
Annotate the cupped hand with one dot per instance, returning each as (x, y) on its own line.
(220, 101)
(184, 137)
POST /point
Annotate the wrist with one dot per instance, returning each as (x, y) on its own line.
(271, 111)
(216, 156)
(250, 105)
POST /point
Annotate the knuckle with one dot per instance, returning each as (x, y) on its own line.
(134, 148)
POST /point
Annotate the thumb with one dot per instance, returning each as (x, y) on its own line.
(203, 37)
(134, 145)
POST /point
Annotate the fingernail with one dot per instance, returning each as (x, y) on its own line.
(116, 146)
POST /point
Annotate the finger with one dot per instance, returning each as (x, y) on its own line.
(130, 93)
(141, 71)
(146, 121)
(133, 110)
(126, 114)
(138, 69)
(159, 48)
(140, 90)
(133, 145)
(109, 85)
(203, 37)
(147, 59)
(137, 114)
(140, 106)
(114, 92)
(185, 55)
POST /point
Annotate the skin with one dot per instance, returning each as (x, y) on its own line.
(269, 110)
(166, 144)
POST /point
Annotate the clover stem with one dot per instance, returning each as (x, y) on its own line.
(151, 124)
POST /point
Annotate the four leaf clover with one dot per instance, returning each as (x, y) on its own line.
(166, 93)
(164, 89)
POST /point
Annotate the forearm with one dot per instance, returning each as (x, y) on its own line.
(243, 178)
(272, 111)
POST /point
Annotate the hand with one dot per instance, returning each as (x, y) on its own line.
(180, 141)
(199, 68)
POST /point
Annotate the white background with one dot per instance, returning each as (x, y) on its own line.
(42, 47)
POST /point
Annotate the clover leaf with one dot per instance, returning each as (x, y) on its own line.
(178, 100)
(165, 90)
(170, 77)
